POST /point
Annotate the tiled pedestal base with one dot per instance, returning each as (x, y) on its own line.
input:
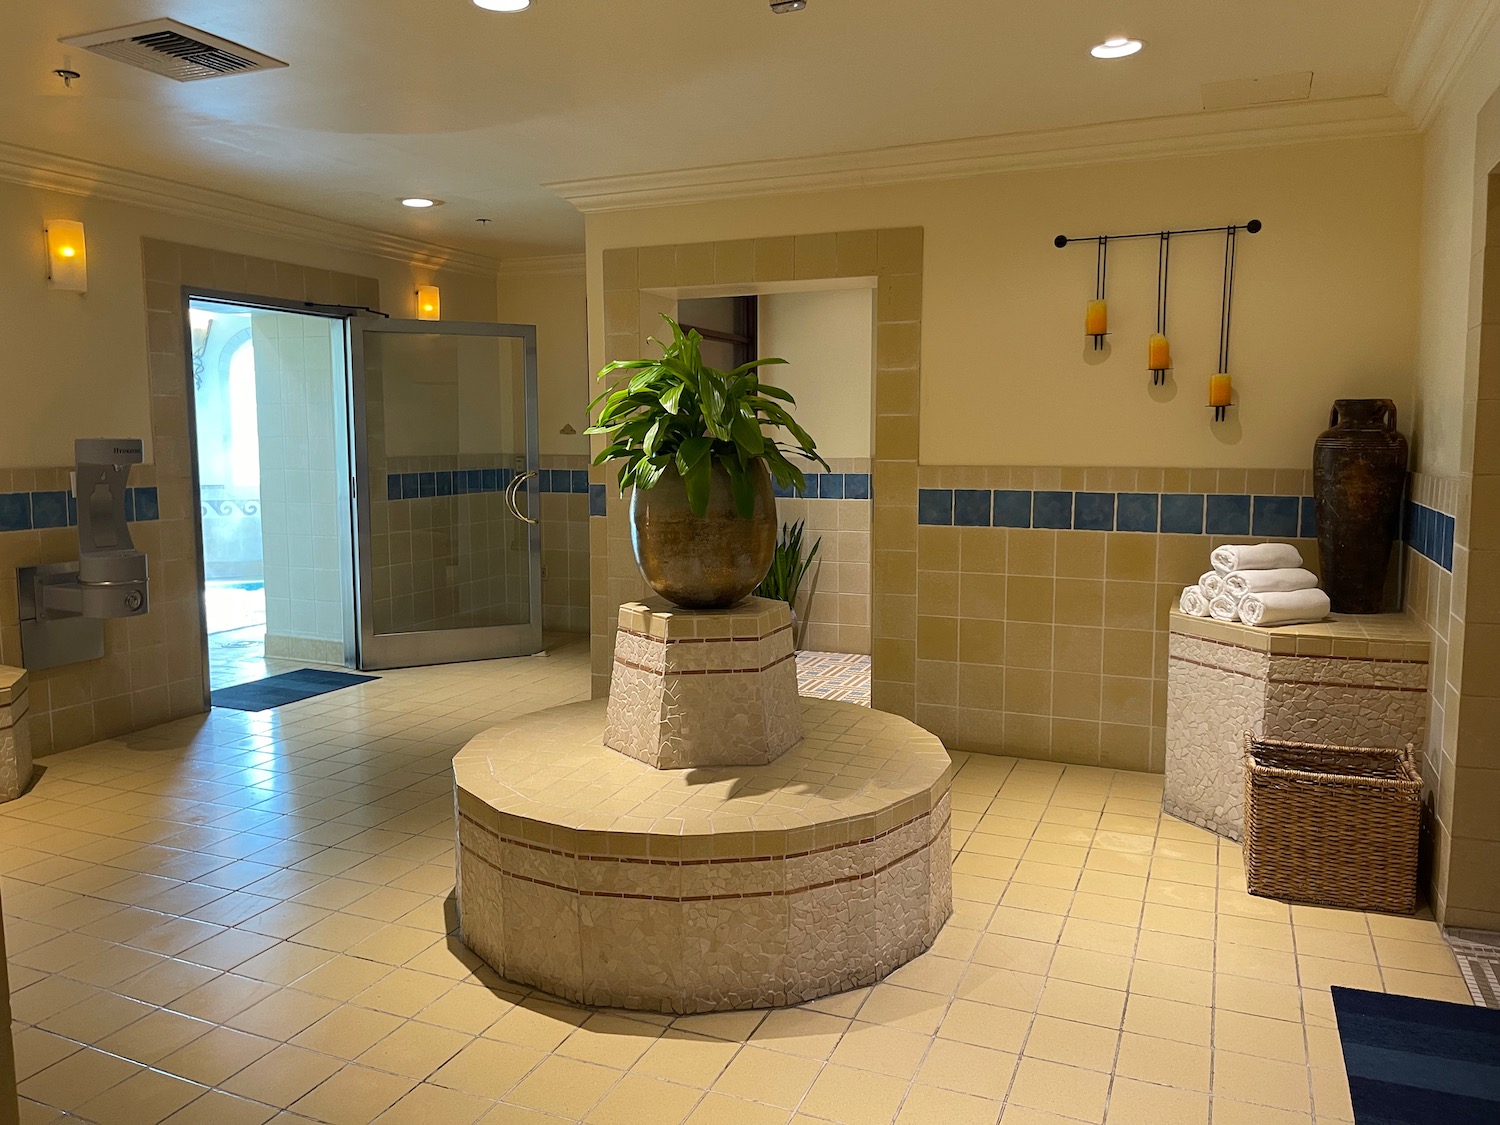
(703, 687)
(1352, 681)
(15, 734)
(604, 881)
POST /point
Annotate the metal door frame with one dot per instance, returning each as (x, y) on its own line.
(343, 454)
(437, 646)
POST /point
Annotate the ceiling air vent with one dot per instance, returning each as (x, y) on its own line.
(173, 49)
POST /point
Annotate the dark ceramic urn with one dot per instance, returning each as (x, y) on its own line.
(1359, 480)
(710, 561)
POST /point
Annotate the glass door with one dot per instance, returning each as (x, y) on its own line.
(445, 434)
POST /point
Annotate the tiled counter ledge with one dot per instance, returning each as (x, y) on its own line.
(1351, 680)
(604, 881)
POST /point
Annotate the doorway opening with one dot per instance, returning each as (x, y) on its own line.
(269, 394)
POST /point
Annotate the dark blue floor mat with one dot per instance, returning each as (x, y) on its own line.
(289, 687)
(1419, 1062)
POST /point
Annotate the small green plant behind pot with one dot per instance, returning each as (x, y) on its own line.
(677, 422)
(789, 567)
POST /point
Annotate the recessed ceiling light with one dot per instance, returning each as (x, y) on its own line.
(421, 201)
(1116, 47)
(503, 5)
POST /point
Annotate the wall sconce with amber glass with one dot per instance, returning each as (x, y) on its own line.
(67, 255)
(429, 302)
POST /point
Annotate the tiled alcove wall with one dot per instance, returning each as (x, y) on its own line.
(833, 605)
(638, 284)
(153, 665)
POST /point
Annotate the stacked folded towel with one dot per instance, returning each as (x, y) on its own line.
(1259, 584)
(1284, 607)
(1195, 601)
(1255, 556)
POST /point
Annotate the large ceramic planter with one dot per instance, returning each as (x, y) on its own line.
(709, 561)
(1359, 478)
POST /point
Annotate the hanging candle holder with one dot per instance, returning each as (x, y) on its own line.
(1158, 349)
(1096, 316)
(1221, 385)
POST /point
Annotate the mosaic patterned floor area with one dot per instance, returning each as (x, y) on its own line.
(1478, 955)
(834, 675)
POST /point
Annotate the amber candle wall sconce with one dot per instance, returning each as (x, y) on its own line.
(1158, 346)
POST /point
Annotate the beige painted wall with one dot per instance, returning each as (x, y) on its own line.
(557, 304)
(1450, 282)
(75, 364)
(1325, 303)
(826, 338)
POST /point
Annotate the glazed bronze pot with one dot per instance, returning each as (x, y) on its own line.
(1359, 478)
(703, 562)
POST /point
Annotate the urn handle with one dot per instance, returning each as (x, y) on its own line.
(1387, 413)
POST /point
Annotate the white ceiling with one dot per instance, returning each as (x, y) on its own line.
(385, 98)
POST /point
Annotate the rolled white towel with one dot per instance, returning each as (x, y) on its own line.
(1212, 584)
(1255, 556)
(1242, 582)
(1224, 608)
(1194, 602)
(1284, 607)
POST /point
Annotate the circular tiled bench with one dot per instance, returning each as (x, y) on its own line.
(605, 881)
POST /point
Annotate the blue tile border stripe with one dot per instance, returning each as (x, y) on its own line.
(39, 511)
(1430, 534)
(830, 486)
(1169, 513)
(465, 482)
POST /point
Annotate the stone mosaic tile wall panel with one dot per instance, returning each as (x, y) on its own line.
(1215, 693)
(587, 875)
(703, 687)
(15, 734)
(1355, 681)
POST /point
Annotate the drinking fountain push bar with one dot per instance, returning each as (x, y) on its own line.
(64, 605)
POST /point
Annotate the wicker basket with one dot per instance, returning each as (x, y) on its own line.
(1332, 825)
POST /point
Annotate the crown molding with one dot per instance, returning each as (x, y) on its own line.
(1442, 40)
(555, 265)
(1180, 135)
(67, 175)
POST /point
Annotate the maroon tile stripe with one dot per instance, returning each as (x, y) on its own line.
(699, 640)
(783, 893)
(620, 660)
(1298, 683)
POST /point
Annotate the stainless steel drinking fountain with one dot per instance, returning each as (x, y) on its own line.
(63, 606)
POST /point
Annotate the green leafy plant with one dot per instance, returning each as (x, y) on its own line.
(789, 567)
(677, 411)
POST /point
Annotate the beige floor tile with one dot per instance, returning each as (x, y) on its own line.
(403, 992)
(564, 1087)
(214, 1056)
(968, 1069)
(353, 1095)
(719, 1109)
(1172, 982)
(346, 1032)
(1229, 1112)
(795, 1031)
(1278, 966)
(282, 1076)
(1141, 1103)
(154, 1036)
(638, 1100)
(757, 1074)
(1076, 1044)
(283, 1015)
(1261, 1081)
(906, 1008)
(610, 1040)
(1429, 986)
(1257, 1035)
(683, 1057)
(220, 1108)
(78, 1078)
(1258, 998)
(1321, 972)
(222, 998)
(1168, 1019)
(985, 1025)
(95, 1018)
(1018, 954)
(926, 1104)
(1084, 1003)
(1414, 956)
(882, 1049)
(145, 1098)
(36, 1050)
(543, 1024)
(1166, 1062)
(435, 1105)
(1335, 945)
(853, 1097)
(1067, 1090)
